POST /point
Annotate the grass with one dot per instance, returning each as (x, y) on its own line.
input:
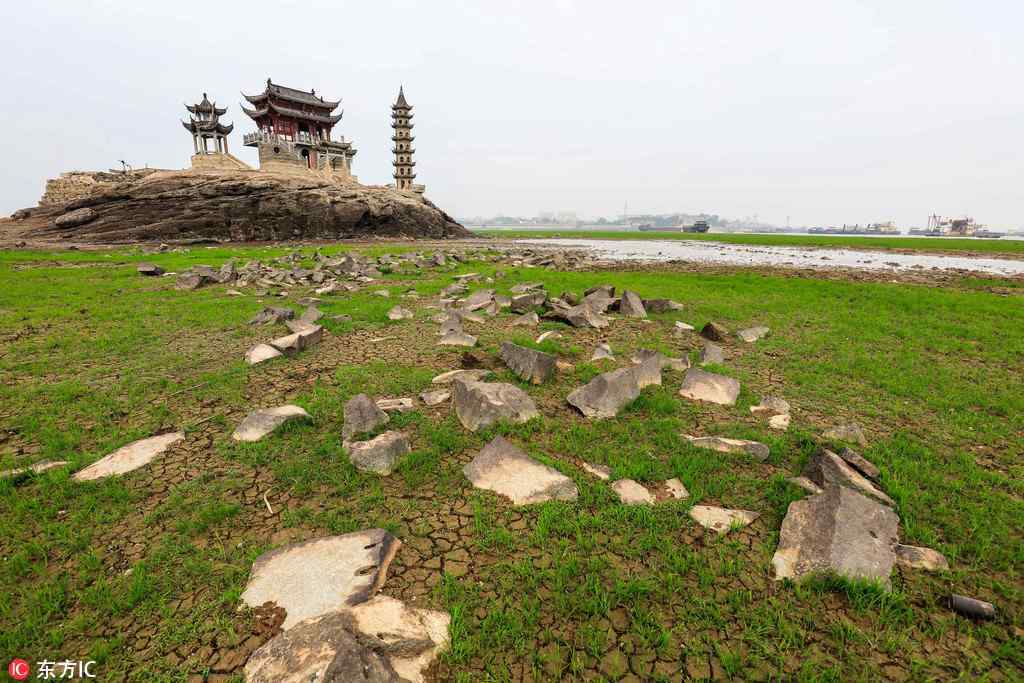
(939, 244)
(144, 572)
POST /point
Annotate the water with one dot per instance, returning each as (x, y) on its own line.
(796, 257)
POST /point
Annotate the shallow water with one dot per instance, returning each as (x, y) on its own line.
(797, 257)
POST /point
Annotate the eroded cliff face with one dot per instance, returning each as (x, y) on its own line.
(238, 206)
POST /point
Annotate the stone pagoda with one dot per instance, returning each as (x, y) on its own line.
(204, 124)
(294, 131)
(405, 167)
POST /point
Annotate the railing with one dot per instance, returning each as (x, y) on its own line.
(301, 138)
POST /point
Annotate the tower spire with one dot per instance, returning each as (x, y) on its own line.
(401, 123)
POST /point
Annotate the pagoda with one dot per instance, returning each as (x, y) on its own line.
(294, 130)
(204, 124)
(401, 122)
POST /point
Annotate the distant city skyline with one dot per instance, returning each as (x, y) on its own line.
(828, 113)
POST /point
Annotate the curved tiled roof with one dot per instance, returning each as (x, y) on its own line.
(205, 107)
(294, 113)
(291, 94)
(212, 126)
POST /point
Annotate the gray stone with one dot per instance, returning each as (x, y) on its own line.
(673, 488)
(550, 334)
(530, 319)
(779, 422)
(770, 405)
(129, 457)
(272, 314)
(631, 492)
(608, 291)
(848, 432)
(647, 368)
(260, 423)
(524, 287)
(297, 341)
(683, 327)
(191, 281)
(311, 314)
(752, 334)
(433, 398)
(506, 470)
(260, 353)
(715, 332)
(399, 313)
(452, 375)
(805, 483)
(632, 306)
(707, 386)
(663, 361)
(37, 468)
(599, 471)
(579, 316)
(361, 416)
(661, 305)
(721, 520)
(602, 351)
(524, 303)
(838, 530)
(378, 455)
(396, 405)
(712, 353)
(607, 394)
(725, 445)
(150, 269)
(478, 299)
(530, 365)
(481, 404)
(457, 339)
(315, 577)
(860, 463)
(916, 557)
(825, 467)
(75, 218)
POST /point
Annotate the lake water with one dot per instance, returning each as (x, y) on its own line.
(797, 257)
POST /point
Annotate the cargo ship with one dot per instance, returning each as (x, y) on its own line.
(887, 228)
(955, 227)
(697, 226)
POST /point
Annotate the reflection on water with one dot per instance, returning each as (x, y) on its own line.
(755, 255)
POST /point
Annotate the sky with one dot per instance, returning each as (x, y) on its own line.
(819, 113)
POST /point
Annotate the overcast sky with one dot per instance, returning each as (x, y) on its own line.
(826, 112)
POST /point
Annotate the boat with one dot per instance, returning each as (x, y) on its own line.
(697, 226)
(939, 226)
(887, 228)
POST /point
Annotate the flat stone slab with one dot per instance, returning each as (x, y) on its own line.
(481, 404)
(550, 334)
(503, 468)
(362, 415)
(396, 405)
(260, 353)
(272, 314)
(601, 352)
(726, 445)
(530, 365)
(752, 334)
(647, 367)
(712, 353)
(664, 362)
(307, 336)
(770, 405)
(378, 455)
(37, 468)
(916, 557)
(129, 457)
(805, 483)
(452, 375)
(399, 313)
(860, 463)
(433, 398)
(700, 385)
(631, 305)
(457, 339)
(721, 520)
(848, 432)
(838, 530)
(605, 395)
(825, 467)
(315, 577)
(779, 422)
(530, 319)
(672, 488)
(631, 492)
(260, 423)
(600, 471)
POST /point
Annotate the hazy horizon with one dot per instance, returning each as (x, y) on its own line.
(826, 113)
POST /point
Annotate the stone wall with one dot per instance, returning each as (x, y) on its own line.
(218, 162)
(77, 184)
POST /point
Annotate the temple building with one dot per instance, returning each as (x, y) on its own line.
(294, 130)
(401, 122)
(204, 124)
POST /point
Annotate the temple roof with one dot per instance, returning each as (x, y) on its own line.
(212, 126)
(294, 113)
(205, 107)
(400, 103)
(292, 95)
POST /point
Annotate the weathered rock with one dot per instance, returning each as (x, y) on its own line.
(860, 463)
(241, 206)
(129, 457)
(971, 607)
(433, 398)
(530, 319)
(399, 313)
(579, 316)
(838, 530)
(191, 281)
(37, 468)
(481, 404)
(260, 353)
(647, 368)
(663, 361)
(453, 375)
(683, 327)
(752, 334)
(524, 287)
(303, 326)
(362, 415)
(779, 422)
(311, 314)
(770, 405)
(602, 351)
(457, 339)
(272, 314)
(632, 306)
(661, 305)
(707, 386)
(825, 467)
(307, 336)
(550, 334)
(805, 483)
(378, 455)
(608, 291)
(599, 471)
(849, 432)
(506, 470)
(315, 577)
(712, 353)
(150, 269)
(725, 445)
(673, 488)
(631, 492)
(478, 299)
(715, 332)
(916, 557)
(260, 423)
(607, 394)
(719, 519)
(530, 365)
(396, 405)
(524, 303)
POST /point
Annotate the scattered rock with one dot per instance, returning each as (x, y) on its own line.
(971, 607)
(297, 341)
(849, 432)
(530, 319)
(860, 463)
(581, 315)
(191, 281)
(725, 445)
(378, 455)
(260, 353)
(607, 394)
(712, 353)
(647, 368)
(75, 218)
(661, 360)
(707, 386)
(481, 404)
(806, 484)
(362, 415)
(550, 334)
(752, 334)
(506, 470)
(453, 375)
(457, 339)
(478, 299)
(599, 471)
(825, 467)
(721, 520)
(770, 405)
(37, 468)
(524, 303)
(528, 364)
(715, 332)
(632, 306)
(916, 557)
(661, 305)
(683, 327)
(837, 530)
(433, 398)
(382, 293)
(396, 405)
(779, 422)
(399, 313)
(272, 314)
(260, 423)
(315, 577)
(150, 269)
(602, 351)
(632, 493)
(129, 457)
(673, 488)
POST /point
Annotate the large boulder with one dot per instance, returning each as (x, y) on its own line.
(632, 306)
(530, 365)
(481, 404)
(825, 468)
(607, 394)
(362, 415)
(838, 530)
(239, 205)
(503, 468)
